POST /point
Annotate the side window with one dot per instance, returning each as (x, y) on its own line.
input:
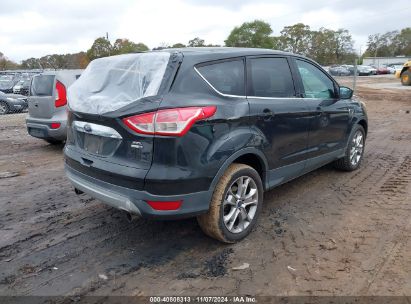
(227, 77)
(316, 83)
(270, 77)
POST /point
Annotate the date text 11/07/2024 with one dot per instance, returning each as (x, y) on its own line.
(203, 299)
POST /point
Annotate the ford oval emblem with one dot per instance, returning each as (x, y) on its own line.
(87, 128)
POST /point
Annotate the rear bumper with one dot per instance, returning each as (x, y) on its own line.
(135, 201)
(40, 128)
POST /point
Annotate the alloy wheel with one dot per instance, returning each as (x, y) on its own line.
(356, 148)
(3, 108)
(240, 204)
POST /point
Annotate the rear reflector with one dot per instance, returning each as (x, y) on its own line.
(173, 205)
(55, 125)
(61, 95)
(169, 122)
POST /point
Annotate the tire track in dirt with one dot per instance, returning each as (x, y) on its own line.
(399, 180)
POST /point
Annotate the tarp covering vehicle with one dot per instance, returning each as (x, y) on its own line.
(111, 83)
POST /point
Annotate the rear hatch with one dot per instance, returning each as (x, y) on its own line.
(101, 139)
(110, 89)
(41, 100)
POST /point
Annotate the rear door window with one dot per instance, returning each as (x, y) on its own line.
(270, 77)
(42, 85)
(226, 77)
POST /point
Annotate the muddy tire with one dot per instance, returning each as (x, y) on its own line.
(406, 78)
(235, 205)
(354, 152)
(4, 108)
(54, 141)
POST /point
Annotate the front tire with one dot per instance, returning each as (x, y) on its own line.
(354, 152)
(235, 205)
(406, 78)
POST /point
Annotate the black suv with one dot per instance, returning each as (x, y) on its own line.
(205, 131)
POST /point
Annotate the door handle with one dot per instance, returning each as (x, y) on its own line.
(267, 114)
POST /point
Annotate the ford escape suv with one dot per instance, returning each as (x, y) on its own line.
(204, 132)
(47, 105)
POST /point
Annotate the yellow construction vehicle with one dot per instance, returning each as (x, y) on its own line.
(405, 74)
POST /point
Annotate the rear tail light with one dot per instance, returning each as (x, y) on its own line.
(55, 125)
(170, 122)
(61, 95)
(163, 206)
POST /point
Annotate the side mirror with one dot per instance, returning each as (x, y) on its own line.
(346, 93)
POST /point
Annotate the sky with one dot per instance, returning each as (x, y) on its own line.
(35, 28)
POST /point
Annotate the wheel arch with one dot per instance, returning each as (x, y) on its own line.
(248, 156)
(405, 68)
(363, 123)
(253, 161)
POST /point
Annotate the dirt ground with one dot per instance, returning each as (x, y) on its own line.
(326, 233)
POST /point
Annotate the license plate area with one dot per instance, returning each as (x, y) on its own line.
(92, 143)
(37, 132)
(96, 139)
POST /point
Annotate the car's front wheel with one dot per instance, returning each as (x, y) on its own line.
(235, 205)
(354, 152)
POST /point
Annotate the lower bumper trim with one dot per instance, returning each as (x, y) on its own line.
(136, 201)
(110, 198)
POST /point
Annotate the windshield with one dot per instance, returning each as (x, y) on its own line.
(6, 82)
(24, 82)
(113, 82)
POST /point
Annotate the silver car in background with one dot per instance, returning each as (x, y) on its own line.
(47, 117)
(12, 103)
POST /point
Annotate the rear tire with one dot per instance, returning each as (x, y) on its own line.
(234, 209)
(54, 141)
(354, 152)
(4, 108)
(406, 78)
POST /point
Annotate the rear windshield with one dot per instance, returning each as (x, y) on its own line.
(111, 83)
(42, 85)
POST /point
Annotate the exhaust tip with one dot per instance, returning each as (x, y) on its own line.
(77, 191)
(131, 217)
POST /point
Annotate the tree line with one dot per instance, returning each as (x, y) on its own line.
(392, 43)
(325, 46)
(6, 64)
